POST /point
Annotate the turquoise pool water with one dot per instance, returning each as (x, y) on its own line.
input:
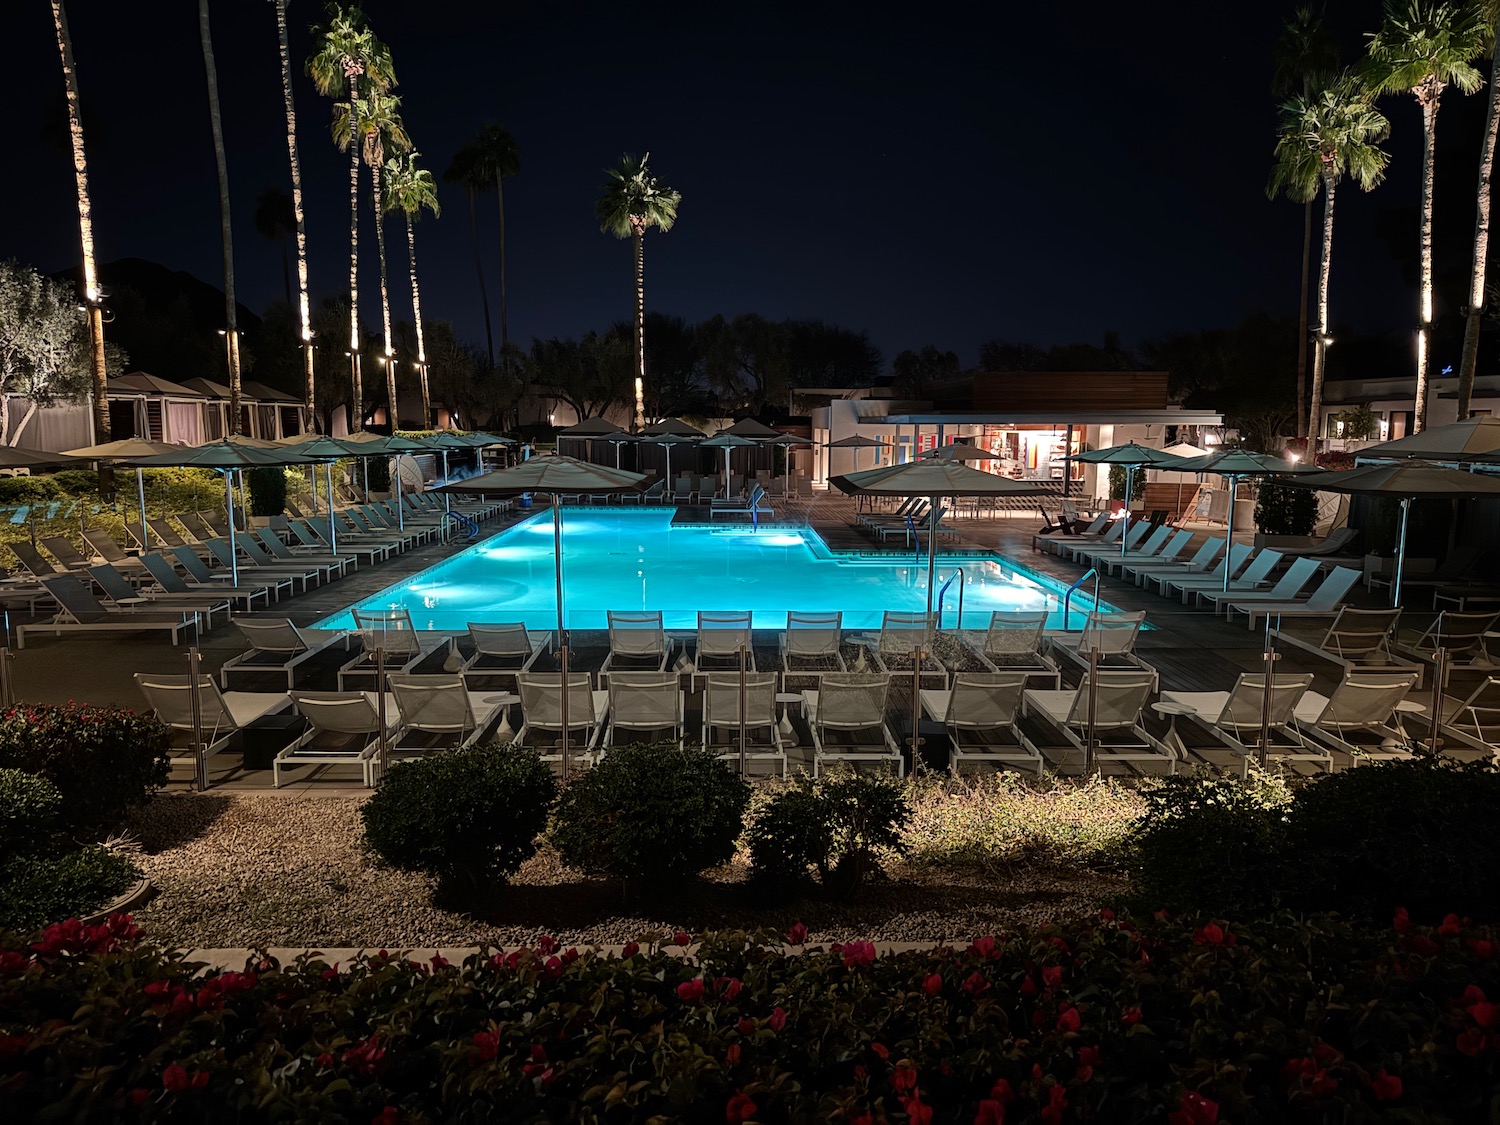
(632, 560)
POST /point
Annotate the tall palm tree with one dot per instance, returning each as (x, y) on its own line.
(275, 222)
(460, 174)
(409, 188)
(632, 203)
(1423, 48)
(1334, 133)
(226, 230)
(1305, 56)
(487, 162)
(348, 63)
(91, 295)
(1470, 361)
(304, 306)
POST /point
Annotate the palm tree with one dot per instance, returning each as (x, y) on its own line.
(1334, 133)
(275, 222)
(1424, 48)
(1467, 366)
(487, 162)
(632, 203)
(226, 233)
(1305, 55)
(91, 295)
(460, 174)
(304, 305)
(409, 188)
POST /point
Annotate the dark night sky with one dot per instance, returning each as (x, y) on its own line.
(929, 173)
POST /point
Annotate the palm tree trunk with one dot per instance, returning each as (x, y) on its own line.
(232, 335)
(91, 293)
(1470, 360)
(357, 383)
(304, 306)
(504, 324)
(484, 297)
(1307, 229)
(1424, 290)
(416, 315)
(385, 296)
(640, 329)
(1320, 341)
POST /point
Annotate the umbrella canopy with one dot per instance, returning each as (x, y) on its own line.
(590, 428)
(1130, 453)
(960, 451)
(226, 453)
(932, 476)
(479, 439)
(444, 440)
(857, 441)
(139, 382)
(1186, 449)
(726, 441)
(16, 457)
(1458, 441)
(674, 426)
(1234, 464)
(125, 447)
(666, 440)
(1407, 481)
(750, 428)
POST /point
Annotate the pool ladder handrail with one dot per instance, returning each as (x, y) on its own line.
(1092, 572)
(958, 572)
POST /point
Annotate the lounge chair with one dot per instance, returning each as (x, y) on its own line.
(541, 710)
(78, 611)
(391, 632)
(980, 711)
(642, 703)
(1135, 540)
(315, 533)
(1324, 602)
(1235, 718)
(344, 728)
(721, 635)
(299, 575)
(682, 491)
(117, 588)
(1358, 640)
(813, 637)
(917, 528)
(276, 645)
(256, 557)
(1111, 635)
(1336, 541)
(1211, 586)
(1360, 718)
(198, 571)
(222, 715)
(500, 649)
(721, 718)
(1287, 588)
(164, 532)
(1013, 643)
(1211, 576)
(1092, 533)
(165, 575)
(901, 634)
(103, 544)
(1461, 636)
(749, 506)
(61, 548)
(33, 561)
(1169, 552)
(1475, 722)
(441, 708)
(329, 566)
(636, 640)
(1120, 735)
(913, 508)
(847, 717)
(1202, 562)
(1457, 570)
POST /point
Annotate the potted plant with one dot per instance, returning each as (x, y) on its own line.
(1284, 516)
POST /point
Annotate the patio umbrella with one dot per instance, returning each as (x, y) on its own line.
(960, 451)
(666, 441)
(397, 447)
(1132, 456)
(227, 456)
(591, 430)
(673, 426)
(857, 442)
(786, 441)
(118, 451)
(935, 479)
(618, 440)
(1234, 464)
(553, 474)
(1407, 481)
(1471, 439)
(727, 441)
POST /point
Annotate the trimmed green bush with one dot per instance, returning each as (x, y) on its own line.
(469, 815)
(790, 836)
(38, 889)
(839, 826)
(103, 760)
(1283, 510)
(30, 807)
(651, 811)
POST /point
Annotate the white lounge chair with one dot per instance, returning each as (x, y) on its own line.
(120, 592)
(1253, 578)
(721, 718)
(343, 730)
(1112, 635)
(1120, 735)
(1236, 717)
(901, 633)
(1052, 542)
(541, 710)
(1165, 580)
(389, 632)
(1324, 601)
(276, 645)
(222, 715)
(813, 637)
(721, 633)
(1461, 636)
(1168, 553)
(980, 712)
(636, 639)
(78, 611)
(1358, 640)
(442, 708)
(1287, 588)
(501, 648)
(1202, 562)
(1360, 717)
(165, 575)
(1134, 544)
(1475, 722)
(1013, 643)
(847, 717)
(644, 703)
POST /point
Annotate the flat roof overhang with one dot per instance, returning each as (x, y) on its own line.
(1049, 418)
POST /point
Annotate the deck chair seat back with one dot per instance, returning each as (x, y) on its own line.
(645, 701)
(813, 636)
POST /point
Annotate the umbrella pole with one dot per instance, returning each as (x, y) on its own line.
(140, 489)
(312, 482)
(1400, 554)
(1229, 533)
(400, 514)
(333, 527)
(445, 481)
(932, 522)
(234, 560)
(364, 464)
(562, 636)
(668, 485)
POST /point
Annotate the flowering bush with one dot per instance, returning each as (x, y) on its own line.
(103, 760)
(1189, 1021)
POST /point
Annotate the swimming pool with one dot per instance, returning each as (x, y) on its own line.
(636, 559)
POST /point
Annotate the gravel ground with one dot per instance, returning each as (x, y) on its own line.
(250, 870)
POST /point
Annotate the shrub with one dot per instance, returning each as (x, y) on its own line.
(29, 811)
(1285, 510)
(267, 490)
(1117, 482)
(103, 760)
(651, 811)
(1418, 834)
(791, 835)
(76, 482)
(467, 815)
(839, 825)
(26, 490)
(37, 889)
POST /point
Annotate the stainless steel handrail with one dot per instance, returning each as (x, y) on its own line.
(1092, 572)
(958, 572)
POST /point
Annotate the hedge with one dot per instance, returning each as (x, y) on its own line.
(1185, 1020)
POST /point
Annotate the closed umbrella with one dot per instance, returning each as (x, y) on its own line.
(1132, 456)
(1234, 464)
(555, 475)
(119, 451)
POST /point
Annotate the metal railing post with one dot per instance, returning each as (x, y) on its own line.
(1269, 657)
(1089, 757)
(744, 710)
(384, 744)
(916, 706)
(1439, 672)
(7, 686)
(562, 659)
(199, 765)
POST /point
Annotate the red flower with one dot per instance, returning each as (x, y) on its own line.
(858, 953)
(1211, 934)
(1481, 948)
(1028, 987)
(138, 1096)
(1057, 1101)
(333, 972)
(1107, 914)
(552, 968)
(989, 1112)
(1484, 1013)
(1421, 945)
(740, 1108)
(797, 935)
(903, 1078)
(1473, 994)
(174, 1079)
(917, 1112)
(1470, 1041)
(933, 984)
(975, 984)
(1088, 1058)
(732, 1056)
(746, 1026)
(1068, 1019)
(682, 937)
(547, 945)
(1194, 1109)
(729, 987)
(631, 949)
(983, 947)
(1002, 1092)
(777, 1019)
(1402, 921)
(861, 1072)
(487, 1043)
(1451, 925)
(691, 991)
(1052, 976)
(881, 1050)
(365, 1057)
(323, 1061)
(1385, 1087)
(390, 1115)
(438, 962)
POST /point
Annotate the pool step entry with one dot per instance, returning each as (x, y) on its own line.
(464, 522)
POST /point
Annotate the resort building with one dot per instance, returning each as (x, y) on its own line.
(1390, 401)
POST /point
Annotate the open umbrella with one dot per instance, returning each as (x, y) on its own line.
(1234, 464)
(786, 441)
(666, 441)
(1471, 439)
(227, 456)
(591, 430)
(1132, 456)
(727, 441)
(750, 428)
(1407, 481)
(857, 442)
(555, 475)
(119, 451)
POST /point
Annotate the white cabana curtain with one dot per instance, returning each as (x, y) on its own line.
(53, 428)
(184, 423)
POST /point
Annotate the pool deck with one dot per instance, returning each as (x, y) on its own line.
(1193, 649)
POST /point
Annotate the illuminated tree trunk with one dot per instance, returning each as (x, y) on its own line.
(1320, 341)
(1307, 229)
(640, 324)
(232, 335)
(504, 322)
(1429, 102)
(354, 341)
(416, 313)
(85, 229)
(385, 295)
(304, 305)
(1470, 359)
